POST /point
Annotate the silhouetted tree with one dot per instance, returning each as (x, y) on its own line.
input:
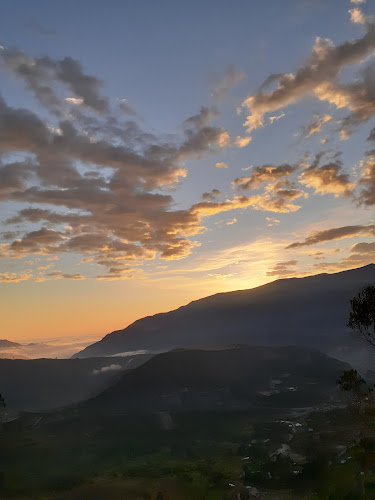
(362, 314)
(362, 322)
(2, 402)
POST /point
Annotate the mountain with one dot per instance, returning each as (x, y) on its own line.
(311, 311)
(44, 384)
(236, 378)
(7, 344)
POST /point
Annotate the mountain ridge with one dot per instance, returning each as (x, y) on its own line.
(239, 377)
(310, 311)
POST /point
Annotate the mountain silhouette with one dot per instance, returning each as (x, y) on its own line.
(310, 311)
(236, 378)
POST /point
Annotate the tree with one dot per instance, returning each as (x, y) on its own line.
(362, 314)
(2, 402)
(362, 322)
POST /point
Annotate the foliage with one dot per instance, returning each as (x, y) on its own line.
(350, 380)
(362, 315)
(362, 321)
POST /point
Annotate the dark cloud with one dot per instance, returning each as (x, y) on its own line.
(364, 248)
(285, 268)
(336, 233)
(211, 195)
(42, 73)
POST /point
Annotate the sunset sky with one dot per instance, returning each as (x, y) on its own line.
(152, 153)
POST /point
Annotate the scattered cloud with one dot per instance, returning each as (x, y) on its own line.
(221, 276)
(336, 233)
(223, 84)
(265, 173)
(326, 179)
(97, 186)
(74, 100)
(273, 119)
(272, 222)
(110, 368)
(15, 277)
(231, 222)
(211, 195)
(315, 125)
(357, 16)
(221, 165)
(241, 142)
(285, 268)
(367, 180)
(319, 76)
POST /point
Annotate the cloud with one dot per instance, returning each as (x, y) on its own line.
(15, 277)
(231, 222)
(336, 233)
(60, 274)
(360, 254)
(272, 222)
(315, 125)
(241, 142)
(212, 195)
(221, 165)
(367, 195)
(223, 85)
(357, 2)
(273, 119)
(60, 348)
(41, 74)
(326, 179)
(275, 199)
(358, 17)
(263, 174)
(363, 248)
(220, 276)
(319, 77)
(97, 185)
(285, 268)
(110, 368)
(74, 100)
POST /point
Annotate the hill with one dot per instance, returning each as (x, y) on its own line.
(309, 311)
(7, 344)
(44, 384)
(237, 378)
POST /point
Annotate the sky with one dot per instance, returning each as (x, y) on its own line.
(153, 153)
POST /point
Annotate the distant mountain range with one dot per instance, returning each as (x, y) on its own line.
(311, 311)
(237, 378)
(7, 344)
(45, 384)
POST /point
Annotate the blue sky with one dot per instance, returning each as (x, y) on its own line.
(130, 105)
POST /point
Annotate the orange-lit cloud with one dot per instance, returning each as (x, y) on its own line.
(265, 173)
(319, 77)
